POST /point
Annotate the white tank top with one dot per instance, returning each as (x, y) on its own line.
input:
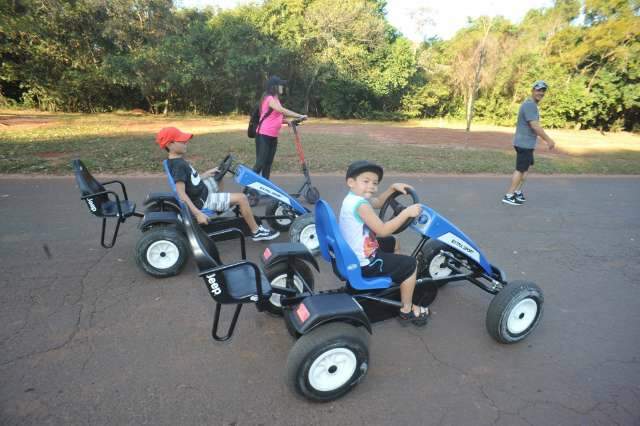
(356, 233)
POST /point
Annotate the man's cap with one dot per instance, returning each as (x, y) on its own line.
(540, 85)
(358, 167)
(171, 134)
(274, 80)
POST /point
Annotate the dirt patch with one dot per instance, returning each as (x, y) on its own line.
(24, 121)
(50, 154)
(423, 136)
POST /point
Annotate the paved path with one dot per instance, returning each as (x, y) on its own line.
(87, 338)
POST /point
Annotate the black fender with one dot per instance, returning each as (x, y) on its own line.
(282, 252)
(160, 197)
(323, 308)
(157, 218)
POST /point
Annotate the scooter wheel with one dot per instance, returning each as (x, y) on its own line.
(312, 195)
(329, 361)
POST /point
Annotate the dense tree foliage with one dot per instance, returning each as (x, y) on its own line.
(342, 57)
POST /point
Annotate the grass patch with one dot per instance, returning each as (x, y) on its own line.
(113, 143)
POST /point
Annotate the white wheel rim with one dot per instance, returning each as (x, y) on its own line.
(332, 369)
(162, 254)
(522, 316)
(436, 270)
(281, 282)
(309, 238)
(280, 212)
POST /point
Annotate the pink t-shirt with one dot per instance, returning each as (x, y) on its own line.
(272, 124)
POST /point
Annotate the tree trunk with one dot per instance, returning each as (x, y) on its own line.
(166, 106)
(474, 89)
(307, 94)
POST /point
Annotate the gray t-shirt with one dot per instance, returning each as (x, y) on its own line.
(525, 136)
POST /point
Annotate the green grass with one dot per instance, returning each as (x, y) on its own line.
(111, 143)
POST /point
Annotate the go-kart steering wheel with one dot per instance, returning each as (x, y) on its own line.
(397, 207)
(223, 167)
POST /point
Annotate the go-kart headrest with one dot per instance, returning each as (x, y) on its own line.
(358, 167)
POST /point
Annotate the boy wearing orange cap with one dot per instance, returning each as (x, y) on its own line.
(202, 191)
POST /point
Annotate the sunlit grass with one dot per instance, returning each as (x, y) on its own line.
(123, 143)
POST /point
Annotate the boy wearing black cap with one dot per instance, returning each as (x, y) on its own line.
(370, 238)
(524, 142)
(202, 191)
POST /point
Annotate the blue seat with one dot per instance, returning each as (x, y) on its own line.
(172, 184)
(335, 250)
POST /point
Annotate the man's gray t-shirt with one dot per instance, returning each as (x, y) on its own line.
(525, 136)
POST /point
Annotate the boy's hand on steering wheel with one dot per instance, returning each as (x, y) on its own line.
(210, 173)
(413, 210)
(401, 187)
(202, 218)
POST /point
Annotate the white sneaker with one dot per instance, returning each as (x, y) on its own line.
(264, 234)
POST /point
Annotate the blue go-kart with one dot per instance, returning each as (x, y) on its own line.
(163, 249)
(331, 352)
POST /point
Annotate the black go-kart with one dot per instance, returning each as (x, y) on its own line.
(162, 249)
(332, 328)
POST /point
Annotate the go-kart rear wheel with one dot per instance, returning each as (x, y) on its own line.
(277, 276)
(162, 251)
(278, 208)
(312, 195)
(303, 230)
(515, 312)
(329, 361)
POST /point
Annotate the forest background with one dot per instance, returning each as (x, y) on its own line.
(342, 58)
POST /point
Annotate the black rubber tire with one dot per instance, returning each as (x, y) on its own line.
(277, 208)
(253, 196)
(279, 271)
(500, 309)
(301, 229)
(312, 195)
(156, 234)
(311, 346)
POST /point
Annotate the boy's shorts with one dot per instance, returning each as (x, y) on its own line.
(216, 201)
(397, 266)
(524, 159)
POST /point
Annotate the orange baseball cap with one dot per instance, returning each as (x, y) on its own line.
(171, 134)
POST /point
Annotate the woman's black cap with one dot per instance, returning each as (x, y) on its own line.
(358, 167)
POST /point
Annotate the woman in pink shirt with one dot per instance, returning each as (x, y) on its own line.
(272, 114)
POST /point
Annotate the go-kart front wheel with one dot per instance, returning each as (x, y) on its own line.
(515, 312)
(329, 361)
(277, 276)
(162, 251)
(303, 230)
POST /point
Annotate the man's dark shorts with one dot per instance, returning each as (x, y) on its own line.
(385, 263)
(524, 159)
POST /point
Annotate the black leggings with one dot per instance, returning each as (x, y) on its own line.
(265, 152)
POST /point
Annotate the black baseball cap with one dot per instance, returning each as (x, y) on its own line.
(274, 80)
(540, 85)
(358, 167)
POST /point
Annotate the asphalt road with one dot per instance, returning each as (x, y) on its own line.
(88, 338)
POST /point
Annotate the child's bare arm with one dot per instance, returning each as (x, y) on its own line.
(380, 199)
(384, 229)
(182, 193)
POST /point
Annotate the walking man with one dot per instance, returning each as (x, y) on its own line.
(527, 131)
